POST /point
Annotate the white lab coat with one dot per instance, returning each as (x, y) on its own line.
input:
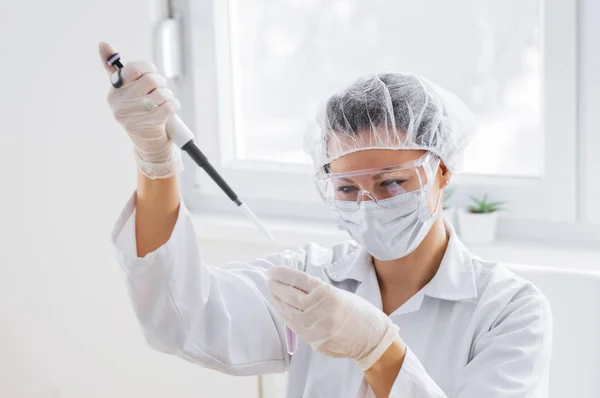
(475, 330)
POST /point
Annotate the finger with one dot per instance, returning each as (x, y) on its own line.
(288, 294)
(140, 109)
(299, 301)
(317, 297)
(318, 314)
(292, 277)
(144, 104)
(106, 51)
(288, 313)
(166, 110)
(144, 85)
(137, 89)
(293, 325)
(304, 319)
(156, 98)
(134, 71)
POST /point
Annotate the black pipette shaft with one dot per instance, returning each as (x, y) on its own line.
(196, 154)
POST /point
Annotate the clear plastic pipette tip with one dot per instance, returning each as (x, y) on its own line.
(250, 214)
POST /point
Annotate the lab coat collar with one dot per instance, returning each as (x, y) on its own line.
(355, 265)
(454, 280)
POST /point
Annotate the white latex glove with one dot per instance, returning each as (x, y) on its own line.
(142, 106)
(333, 321)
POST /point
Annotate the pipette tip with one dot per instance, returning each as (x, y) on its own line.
(250, 214)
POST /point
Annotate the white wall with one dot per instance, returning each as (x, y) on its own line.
(67, 329)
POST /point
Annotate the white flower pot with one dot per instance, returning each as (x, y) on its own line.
(450, 215)
(477, 228)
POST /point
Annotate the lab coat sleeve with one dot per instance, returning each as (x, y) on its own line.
(220, 318)
(510, 360)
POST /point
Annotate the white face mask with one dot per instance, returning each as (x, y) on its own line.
(393, 231)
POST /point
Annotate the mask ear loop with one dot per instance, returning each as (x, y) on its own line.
(425, 214)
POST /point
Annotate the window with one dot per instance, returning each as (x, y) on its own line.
(287, 56)
(258, 70)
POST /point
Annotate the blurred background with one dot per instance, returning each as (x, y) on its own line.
(251, 75)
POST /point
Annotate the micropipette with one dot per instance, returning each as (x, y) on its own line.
(182, 136)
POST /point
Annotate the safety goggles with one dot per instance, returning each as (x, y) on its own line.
(346, 190)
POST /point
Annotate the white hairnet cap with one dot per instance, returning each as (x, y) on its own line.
(392, 111)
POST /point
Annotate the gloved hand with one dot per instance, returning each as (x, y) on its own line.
(142, 105)
(333, 321)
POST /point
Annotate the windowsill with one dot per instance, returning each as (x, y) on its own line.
(294, 233)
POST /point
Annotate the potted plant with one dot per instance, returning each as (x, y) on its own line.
(448, 210)
(478, 222)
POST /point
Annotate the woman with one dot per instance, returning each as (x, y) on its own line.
(402, 310)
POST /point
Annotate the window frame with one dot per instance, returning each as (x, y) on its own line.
(589, 117)
(284, 190)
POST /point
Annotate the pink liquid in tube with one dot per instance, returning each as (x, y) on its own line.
(291, 341)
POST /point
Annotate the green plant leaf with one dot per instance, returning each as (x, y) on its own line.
(485, 206)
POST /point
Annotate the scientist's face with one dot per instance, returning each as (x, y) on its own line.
(375, 158)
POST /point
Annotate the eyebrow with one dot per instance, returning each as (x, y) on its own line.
(378, 175)
(375, 177)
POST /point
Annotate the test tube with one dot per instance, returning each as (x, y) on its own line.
(291, 340)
